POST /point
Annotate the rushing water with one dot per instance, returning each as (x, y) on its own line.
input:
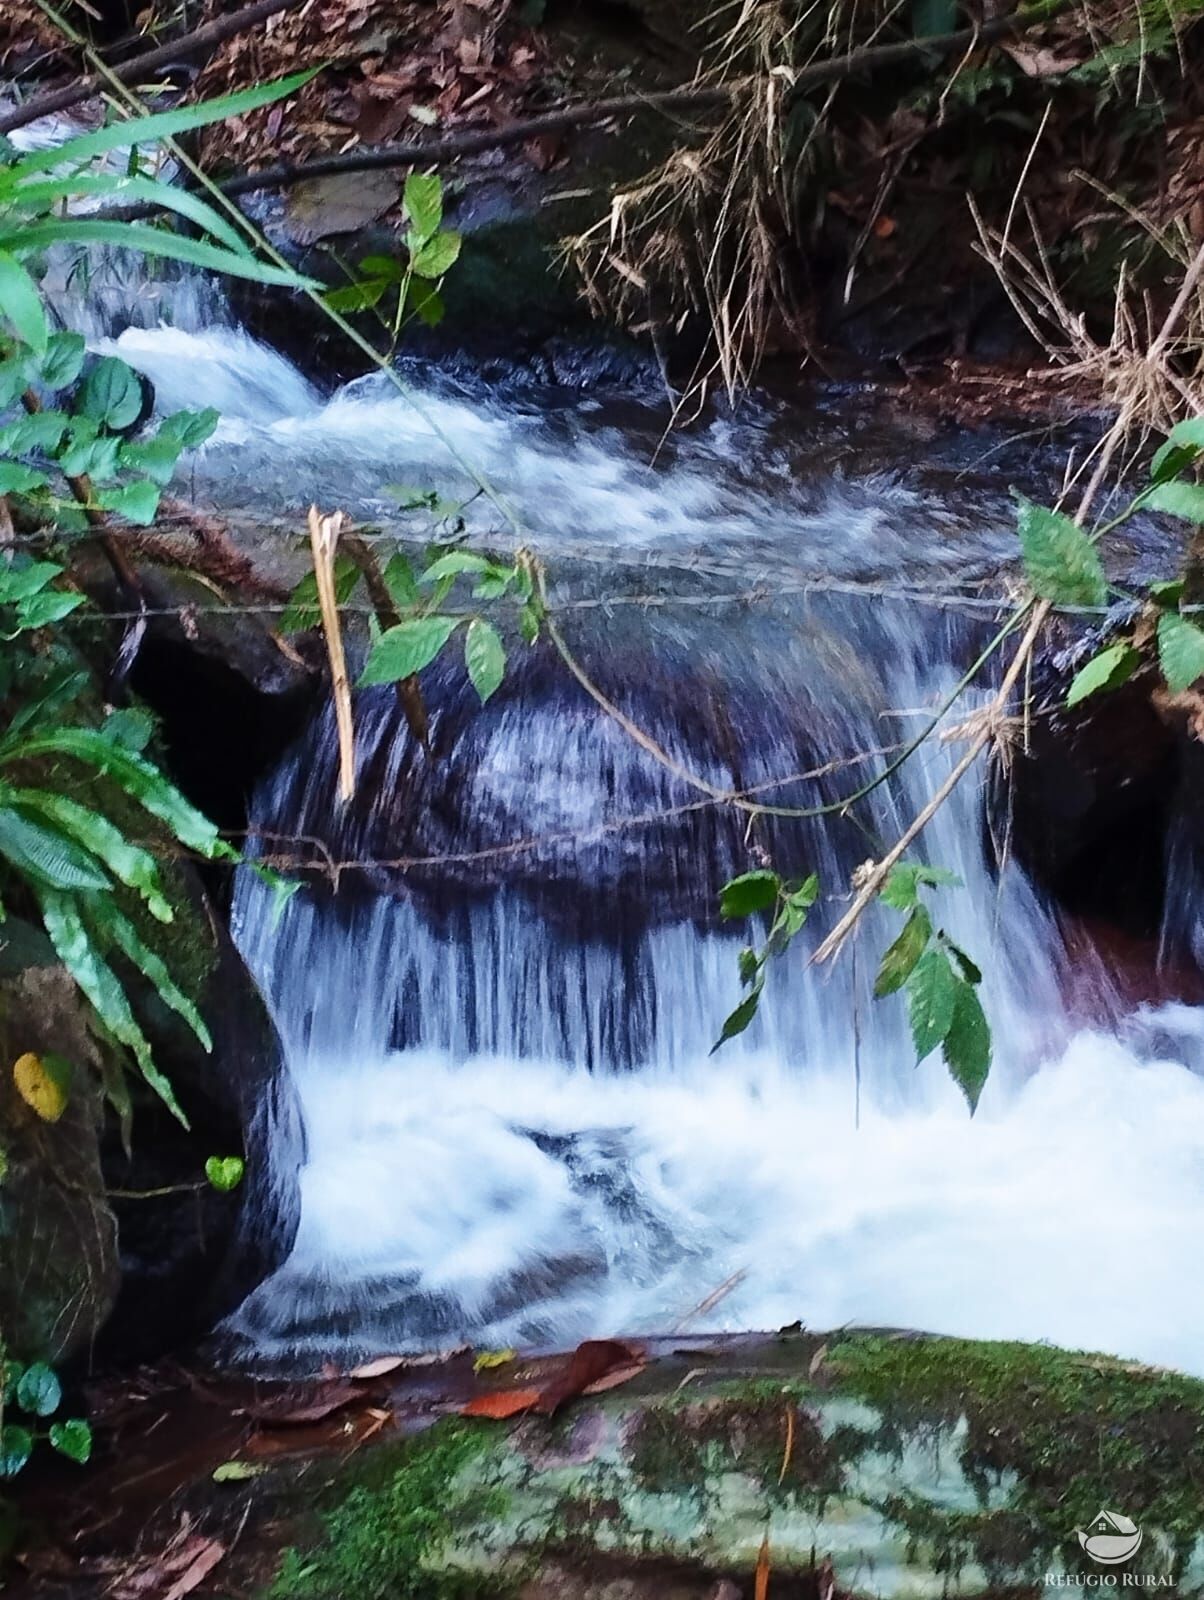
(515, 1130)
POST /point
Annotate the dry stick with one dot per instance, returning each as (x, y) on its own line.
(323, 539)
(436, 152)
(144, 66)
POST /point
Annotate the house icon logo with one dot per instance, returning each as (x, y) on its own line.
(1110, 1538)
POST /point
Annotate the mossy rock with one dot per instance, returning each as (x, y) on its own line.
(58, 1237)
(879, 1465)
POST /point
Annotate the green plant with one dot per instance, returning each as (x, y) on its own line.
(34, 1391)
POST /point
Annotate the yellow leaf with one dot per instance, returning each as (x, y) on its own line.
(488, 1359)
(43, 1084)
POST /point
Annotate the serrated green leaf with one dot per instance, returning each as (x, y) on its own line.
(900, 959)
(1177, 498)
(15, 478)
(156, 458)
(485, 657)
(406, 649)
(94, 458)
(39, 1391)
(931, 991)
(190, 429)
(453, 563)
(437, 256)
(739, 1019)
(303, 610)
(967, 1044)
(529, 619)
(748, 964)
(137, 502)
(426, 302)
(64, 359)
(1180, 651)
(1107, 670)
(751, 891)
(21, 304)
(423, 199)
(19, 582)
(970, 970)
(1061, 562)
(401, 582)
(42, 609)
(72, 1439)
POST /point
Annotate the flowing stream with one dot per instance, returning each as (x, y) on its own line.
(514, 1128)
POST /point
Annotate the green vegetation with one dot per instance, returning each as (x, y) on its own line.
(34, 1394)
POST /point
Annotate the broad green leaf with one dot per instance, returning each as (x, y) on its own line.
(189, 429)
(162, 125)
(39, 1391)
(1180, 651)
(64, 359)
(900, 959)
(225, 1172)
(484, 656)
(21, 304)
(361, 296)
(42, 609)
(110, 923)
(42, 195)
(752, 891)
(149, 241)
(901, 889)
(1107, 670)
(16, 371)
(749, 965)
(303, 610)
(1177, 498)
(931, 992)
(239, 1471)
(401, 582)
(437, 256)
(740, 1018)
(137, 776)
(424, 203)
(19, 582)
(45, 856)
(155, 457)
(98, 459)
(1168, 593)
(137, 502)
(18, 479)
(427, 302)
(406, 649)
(77, 951)
(129, 863)
(453, 563)
(44, 1083)
(42, 431)
(1061, 562)
(967, 1044)
(72, 1439)
(111, 393)
(1183, 444)
(16, 1447)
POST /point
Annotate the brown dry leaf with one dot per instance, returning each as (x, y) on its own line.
(284, 1413)
(501, 1404)
(202, 1565)
(1038, 61)
(377, 1368)
(612, 1380)
(589, 1363)
(817, 1361)
(761, 1581)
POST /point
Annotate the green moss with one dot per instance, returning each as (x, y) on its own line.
(384, 1537)
(1052, 1434)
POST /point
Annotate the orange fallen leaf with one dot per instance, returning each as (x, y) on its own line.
(501, 1404)
(202, 1565)
(591, 1362)
(612, 1380)
(761, 1582)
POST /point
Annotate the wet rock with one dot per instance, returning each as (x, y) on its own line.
(58, 1236)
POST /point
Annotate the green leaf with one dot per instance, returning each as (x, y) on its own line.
(1107, 670)
(528, 621)
(45, 856)
(110, 923)
(129, 863)
(21, 304)
(303, 610)
(406, 649)
(95, 458)
(967, 1044)
(484, 656)
(225, 1172)
(42, 431)
(39, 1391)
(424, 203)
(163, 125)
(150, 241)
(111, 393)
(400, 582)
(16, 1447)
(42, 195)
(64, 359)
(137, 776)
(931, 991)
(361, 296)
(1180, 651)
(1183, 444)
(970, 970)
(437, 256)
(752, 891)
(18, 479)
(137, 502)
(238, 1471)
(1168, 593)
(427, 302)
(41, 609)
(453, 563)
(740, 1018)
(900, 959)
(72, 1439)
(1061, 562)
(901, 889)
(932, 17)
(155, 457)
(189, 429)
(19, 582)
(749, 965)
(1177, 499)
(75, 948)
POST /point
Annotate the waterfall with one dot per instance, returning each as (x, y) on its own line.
(499, 1012)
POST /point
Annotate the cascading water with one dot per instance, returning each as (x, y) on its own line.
(500, 1023)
